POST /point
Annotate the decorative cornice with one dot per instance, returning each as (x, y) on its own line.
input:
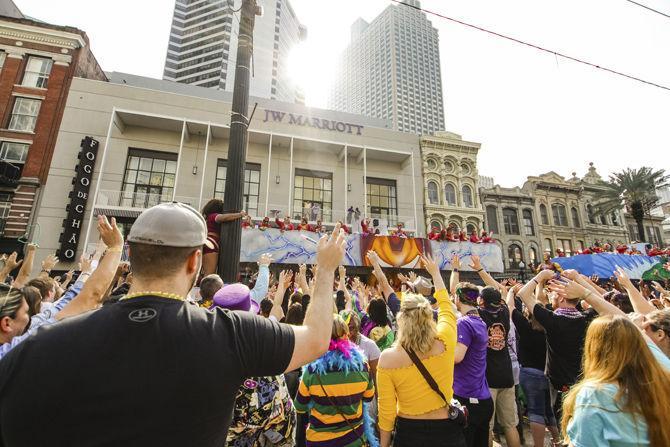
(35, 34)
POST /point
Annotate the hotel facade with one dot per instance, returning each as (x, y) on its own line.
(135, 142)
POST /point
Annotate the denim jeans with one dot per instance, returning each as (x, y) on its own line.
(536, 388)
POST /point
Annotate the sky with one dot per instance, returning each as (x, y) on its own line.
(531, 111)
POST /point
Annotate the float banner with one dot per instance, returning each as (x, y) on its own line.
(299, 247)
(603, 265)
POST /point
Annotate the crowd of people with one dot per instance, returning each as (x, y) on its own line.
(151, 352)
(621, 249)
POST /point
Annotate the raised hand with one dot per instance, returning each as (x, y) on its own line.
(412, 277)
(11, 263)
(30, 248)
(265, 259)
(455, 262)
(85, 264)
(68, 276)
(109, 233)
(373, 257)
(302, 270)
(623, 278)
(570, 289)
(475, 262)
(285, 278)
(571, 274)
(404, 279)
(544, 276)
(49, 263)
(430, 265)
(342, 271)
(330, 250)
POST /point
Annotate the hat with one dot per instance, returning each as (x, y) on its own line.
(423, 286)
(169, 224)
(491, 296)
(235, 297)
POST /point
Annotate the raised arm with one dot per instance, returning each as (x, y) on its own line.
(47, 265)
(313, 337)
(640, 304)
(446, 319)
(572, 289)
(10, 264)
(454, 277)
(527, 292)
(260, 289)
(511, 295)
(278, 298)
(387, 290)
(230, 216)
(26, 271)
(342, 285)
(94, 290)
(476, 265)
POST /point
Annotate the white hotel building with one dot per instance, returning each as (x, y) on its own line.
(162, 141)
(203, 43)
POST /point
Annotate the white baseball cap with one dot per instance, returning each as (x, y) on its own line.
(171, 225)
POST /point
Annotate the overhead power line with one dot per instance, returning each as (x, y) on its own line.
(537, 47)
(650, 9)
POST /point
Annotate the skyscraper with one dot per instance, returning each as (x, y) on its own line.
(391, 70)
(203, 46)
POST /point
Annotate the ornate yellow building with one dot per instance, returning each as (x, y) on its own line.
(451, 182)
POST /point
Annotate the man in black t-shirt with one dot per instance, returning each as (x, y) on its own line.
(499, 373)
(154, 369)
(565, 328)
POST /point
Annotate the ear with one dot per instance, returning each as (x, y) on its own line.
(5, 324)
(194, 260)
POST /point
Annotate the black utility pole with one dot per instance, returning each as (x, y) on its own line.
(231, 232)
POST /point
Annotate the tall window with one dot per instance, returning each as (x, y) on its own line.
(470, 228)
(435, 224)
(615, 219)
(559, 214)
(382, 199)
(566, 246)
(590, 214)
(532, 255)
(37, 72)
(548, 246)
(313, 195)
(492, 218)
(515, 256)
(634, 234)
(5, 206)
(24, 114)
(511, 221)
(252, 184)
(543, 214)
(149, 178)
(580, 245)
(3, 56)
(528, 223)
(467, 197)
(433, 196)
(650, 235)
(575, 217)
(15, 153)
(450, 194)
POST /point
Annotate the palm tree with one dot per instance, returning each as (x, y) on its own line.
(634, 190)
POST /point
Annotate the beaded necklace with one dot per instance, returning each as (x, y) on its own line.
(172, 296)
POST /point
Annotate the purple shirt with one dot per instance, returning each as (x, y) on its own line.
(470, 374)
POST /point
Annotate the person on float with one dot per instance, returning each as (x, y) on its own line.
(547, 264)
(247, 222)
(344, 227)
(462, 236)
(304, 225)
(214, 216)
(487, 238)
(284, 225)
(434, 234)
(366, 226)
(400, 232)
(474, 238)
(265, 224)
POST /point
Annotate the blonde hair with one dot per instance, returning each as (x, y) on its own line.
(340, 328)
(616, 353)
(416, 328)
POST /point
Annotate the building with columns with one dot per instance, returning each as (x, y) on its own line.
(160, 141)
(451, 182)
(37, 63)
(551, 212)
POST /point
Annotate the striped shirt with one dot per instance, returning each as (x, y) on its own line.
(347, 391)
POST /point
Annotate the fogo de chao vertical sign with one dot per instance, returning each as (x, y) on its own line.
(81, 184)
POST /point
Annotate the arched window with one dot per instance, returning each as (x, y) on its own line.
(433, 196)
(515, 256)
(492, 218)
(532, 256)
(454, 227)
(575, 217)
(615, 219)
(528, 226)
(450, 194)
(471, 228)
(511, 221)
(559, 214)
(435, 224)
(467, 197)
(589, 212)
(543, 214)
(548, 246)
(602, 219)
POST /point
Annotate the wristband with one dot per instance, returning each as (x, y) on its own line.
(114, 250)
(480, 270)
(454, 270)
(48, 272)
(536, 281)
(84, 273)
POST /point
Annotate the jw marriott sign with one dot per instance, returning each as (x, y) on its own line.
(308, 121)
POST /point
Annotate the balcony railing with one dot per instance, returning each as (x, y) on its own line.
(139, 200)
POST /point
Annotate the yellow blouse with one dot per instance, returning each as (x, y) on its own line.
(405, 390)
